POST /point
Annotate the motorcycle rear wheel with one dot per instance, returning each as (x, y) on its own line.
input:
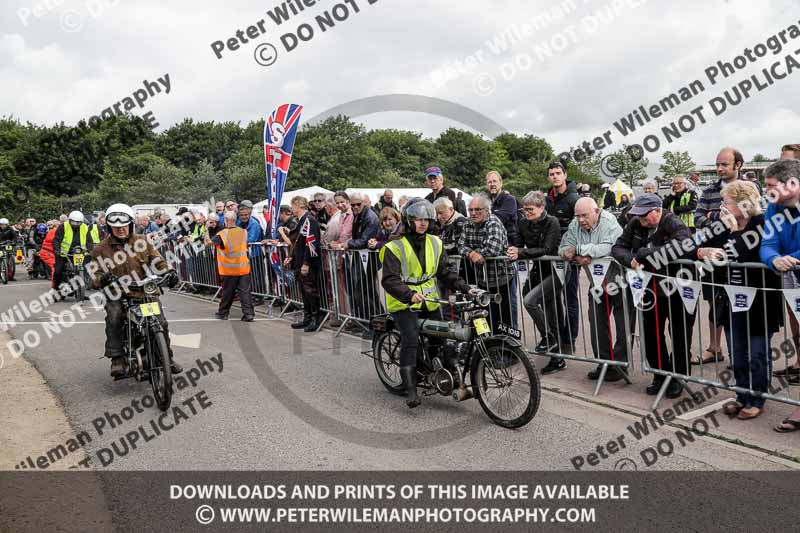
(386, 351)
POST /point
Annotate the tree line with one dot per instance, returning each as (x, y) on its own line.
(47, 170)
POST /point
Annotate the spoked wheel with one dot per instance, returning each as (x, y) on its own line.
(160, 371)
(386, 351)
(3, 271)
(506, 384)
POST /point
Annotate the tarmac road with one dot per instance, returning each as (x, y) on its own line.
(285, 400)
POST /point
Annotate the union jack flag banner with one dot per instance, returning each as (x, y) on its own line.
(280, 131)
(311, 239)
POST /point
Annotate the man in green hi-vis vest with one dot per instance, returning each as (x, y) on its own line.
(412, 265)
(682, 201)
(72, 233)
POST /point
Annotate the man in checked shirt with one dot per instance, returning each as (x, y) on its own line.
(485, 237)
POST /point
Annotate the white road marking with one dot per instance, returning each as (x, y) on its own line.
(697, 413)
(192, 340)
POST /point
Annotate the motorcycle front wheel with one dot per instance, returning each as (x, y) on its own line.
(3, 271)
(386, 351)
(506, 384)
(160, 370)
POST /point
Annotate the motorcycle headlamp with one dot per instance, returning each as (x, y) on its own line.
(150, 288)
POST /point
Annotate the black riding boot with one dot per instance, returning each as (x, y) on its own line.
(409, 375)
(303, 323)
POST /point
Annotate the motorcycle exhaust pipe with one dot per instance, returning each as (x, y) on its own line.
(462, 393)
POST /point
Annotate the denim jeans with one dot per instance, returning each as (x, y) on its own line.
(752, 364)
(570, 334)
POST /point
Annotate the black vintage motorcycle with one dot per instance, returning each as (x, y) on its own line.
(8, 265)
(74, 269)
(38, 268)
(501, 376)
(145, 342)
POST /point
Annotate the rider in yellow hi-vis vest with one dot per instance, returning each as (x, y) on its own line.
(412, 266)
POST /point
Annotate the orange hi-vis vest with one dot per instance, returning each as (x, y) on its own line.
(232, 260)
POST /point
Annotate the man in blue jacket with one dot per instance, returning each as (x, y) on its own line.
(364, 297)
(254, 237)
(780, 247)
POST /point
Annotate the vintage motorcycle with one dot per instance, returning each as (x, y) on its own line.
(38, 268)
(74, 268)
(144, 340)
(501, 376)
(8, 265)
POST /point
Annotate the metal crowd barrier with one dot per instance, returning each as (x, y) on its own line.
(704, 301)
(601, 328)
(358, 293)
(549, 308)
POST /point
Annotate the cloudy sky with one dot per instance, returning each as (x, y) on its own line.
(63, 60)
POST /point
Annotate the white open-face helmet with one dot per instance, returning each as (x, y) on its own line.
(4, 221)
(119, 215)
(76, 217)
(604, 186)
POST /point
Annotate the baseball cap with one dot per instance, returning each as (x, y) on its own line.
(604, 186)
(247, 204)
(433, 171)
(286, 209)
(646, 203)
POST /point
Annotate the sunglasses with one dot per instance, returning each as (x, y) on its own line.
(356, 205)
(529, 209)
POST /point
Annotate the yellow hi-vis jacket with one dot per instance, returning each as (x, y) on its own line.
(411, 271)
(66, 243)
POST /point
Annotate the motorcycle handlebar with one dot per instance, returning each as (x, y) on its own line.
(481, 298)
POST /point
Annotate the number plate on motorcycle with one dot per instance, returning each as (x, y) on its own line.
(482, 326)
(77, 259)
(150, 309)
(508, 330)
